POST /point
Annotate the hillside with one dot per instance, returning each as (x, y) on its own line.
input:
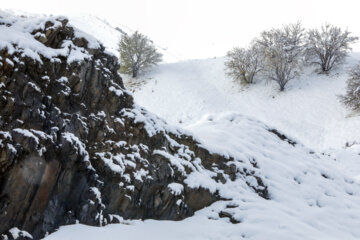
(309, 110)
(74, 147)
(221, 162)
(309, 196)
(311, 185)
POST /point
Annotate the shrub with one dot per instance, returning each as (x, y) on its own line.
(282, 51)
(328, 47)
(352, 97)
(137, 52)
(243, 64)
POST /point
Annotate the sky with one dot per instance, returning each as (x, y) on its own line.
(195, 29)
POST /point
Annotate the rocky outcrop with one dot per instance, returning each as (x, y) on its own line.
(75, 147)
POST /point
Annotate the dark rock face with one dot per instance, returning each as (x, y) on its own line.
(75, 147)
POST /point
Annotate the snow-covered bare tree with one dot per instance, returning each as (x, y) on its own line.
(243, 64)
(328, 46)
(352, 97)
(282, 51)
(137, 52)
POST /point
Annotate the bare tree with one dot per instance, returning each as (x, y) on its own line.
(243, 64)
(137, 52)
(328, 46)
(282, 51)
(352, 97)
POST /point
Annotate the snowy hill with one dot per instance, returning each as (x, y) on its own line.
(109, 34)
(311, 177)
(106, 32)
(291, 176)
(309, 196)
(309, 110)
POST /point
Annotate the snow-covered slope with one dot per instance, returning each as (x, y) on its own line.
(313, 195)
(107, 34)
(305, 194)
(309, 196)
(309, 110)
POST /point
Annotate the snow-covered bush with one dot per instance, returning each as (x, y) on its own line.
(137, 52)
(243, 64)
(282, 51)
(328, 46)
(352, 97)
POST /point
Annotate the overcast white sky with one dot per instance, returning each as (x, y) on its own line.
(203, 28)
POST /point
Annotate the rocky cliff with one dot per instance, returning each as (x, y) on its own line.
(75, 147)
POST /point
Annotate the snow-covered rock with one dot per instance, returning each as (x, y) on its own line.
(74, 147)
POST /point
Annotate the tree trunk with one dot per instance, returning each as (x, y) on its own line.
(282, 85)
(134, 72)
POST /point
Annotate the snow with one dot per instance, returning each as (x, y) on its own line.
(176, 188)
(310, 196)
(11, 147)
(8, 61)
(140, 174)
(63, 80)
(120, 162)
(41, 134)
(94, 26)
(34, 86)
(27, 133)
(18, 37)
(193, 228)
(313, 185)
(80, 146)
(118, 92)
(92, 41)
(5, 135)
(97, 193)
(17, 233)
(308, 110)
(152, 123)
(101, 114)
(109, 162)
(199, 179)
(173, 160)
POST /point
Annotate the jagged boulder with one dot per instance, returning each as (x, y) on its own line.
(75, 147)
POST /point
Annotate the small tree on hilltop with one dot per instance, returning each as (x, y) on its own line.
(352, 97)
(328, 46)
(243, 64)
(282, 51)
(137, 52)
